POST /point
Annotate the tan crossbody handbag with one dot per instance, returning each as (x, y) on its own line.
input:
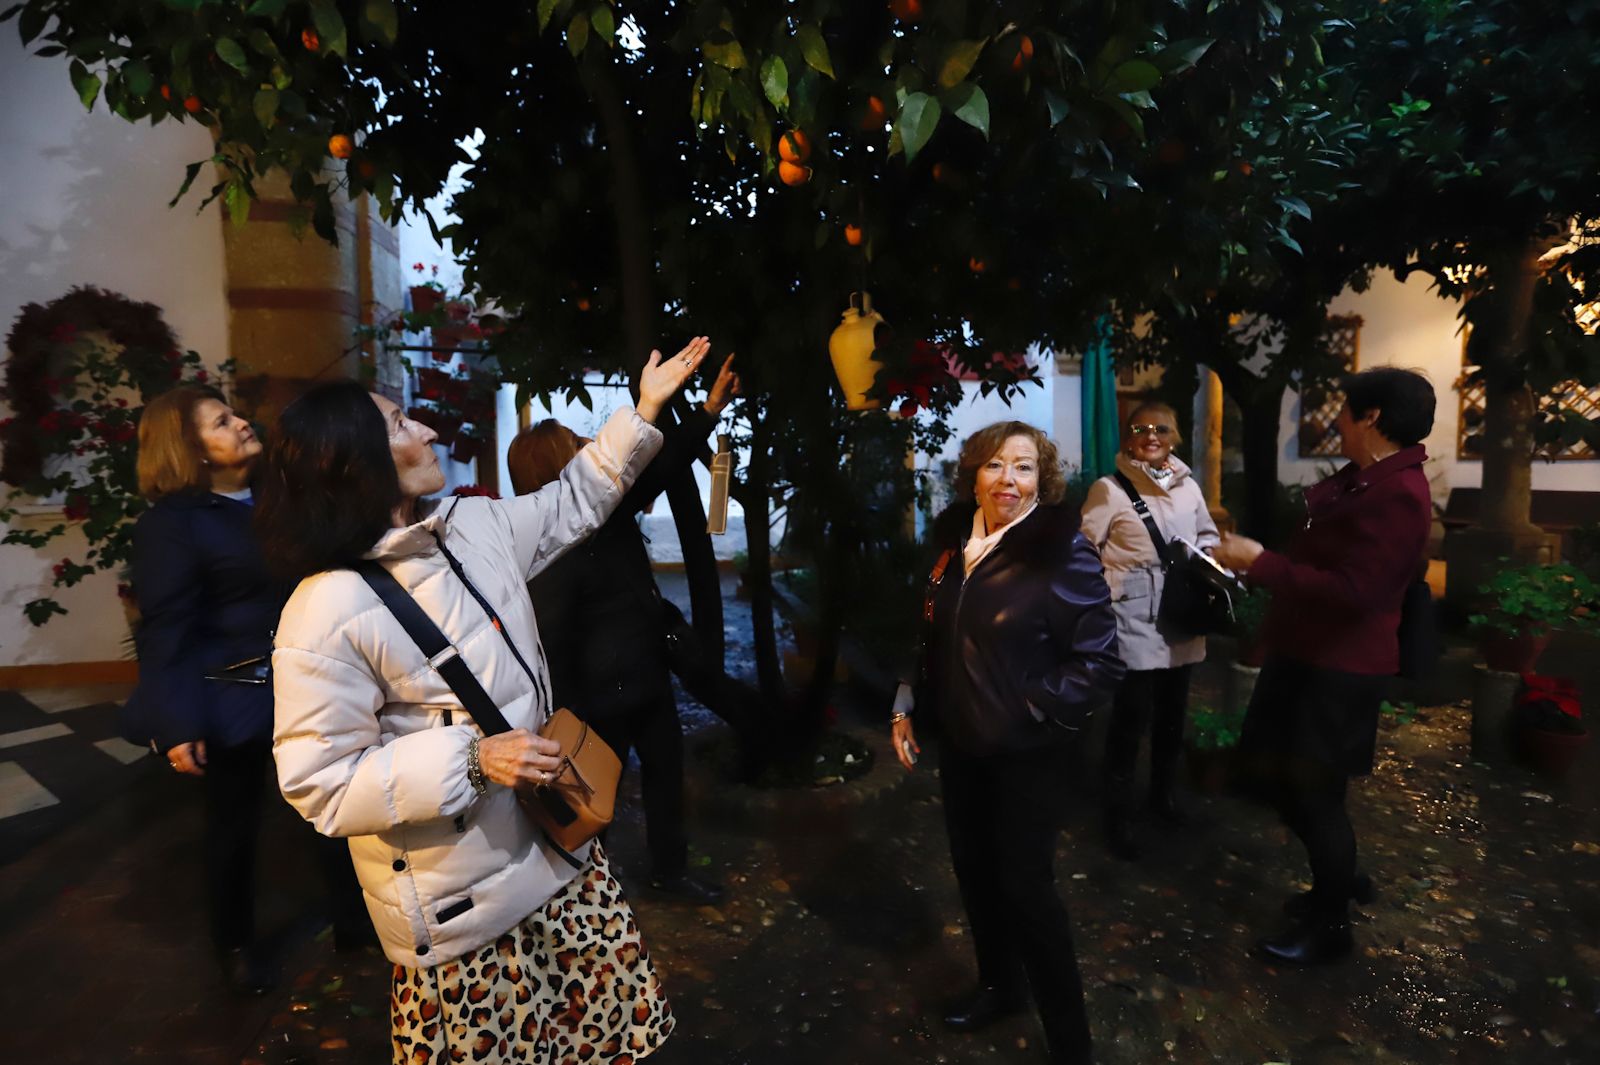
(576, 804)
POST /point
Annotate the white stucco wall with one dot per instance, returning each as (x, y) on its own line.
(1407, 324)
(85, 198)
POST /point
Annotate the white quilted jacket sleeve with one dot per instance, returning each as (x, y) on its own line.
(331, 766)
(544, 524)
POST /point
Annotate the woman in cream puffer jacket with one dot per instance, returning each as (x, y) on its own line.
(372, 744)
(1154, 694)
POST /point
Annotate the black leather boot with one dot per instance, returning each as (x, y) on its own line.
(981, 1007)
(1362, 893)
(1314, 941)
(1120, 839)
(1166, 807)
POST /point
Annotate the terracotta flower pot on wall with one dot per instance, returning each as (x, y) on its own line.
(425, 298)
(1550, 752)
(1512, 654)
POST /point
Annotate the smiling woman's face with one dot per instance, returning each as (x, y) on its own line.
(1008, 482)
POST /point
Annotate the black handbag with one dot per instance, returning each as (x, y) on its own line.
(1419, 632)
(1197, 598)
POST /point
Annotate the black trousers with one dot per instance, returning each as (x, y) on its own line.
(1003, 813)
(1147, 700)
(235, 783)
(652, 729)
(1313, 806)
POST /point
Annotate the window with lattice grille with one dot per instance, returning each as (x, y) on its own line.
(1320, 401)
(1569, 399)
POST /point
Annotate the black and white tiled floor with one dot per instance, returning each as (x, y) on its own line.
(60, 756)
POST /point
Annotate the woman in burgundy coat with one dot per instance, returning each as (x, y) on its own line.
(1332, 642)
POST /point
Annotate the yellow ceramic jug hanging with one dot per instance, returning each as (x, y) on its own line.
(851, 347)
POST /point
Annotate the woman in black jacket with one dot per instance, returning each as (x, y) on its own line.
(605, 628)
(207, 608)
(1019, 647)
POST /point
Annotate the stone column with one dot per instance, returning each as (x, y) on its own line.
(293, 299)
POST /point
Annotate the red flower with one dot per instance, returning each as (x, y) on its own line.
(60, 569)
(475, 490)
(908, 408)
(417, 267)
(77, 508)
(65, 333)
(122, 402)
(51, 422)
(202, 377)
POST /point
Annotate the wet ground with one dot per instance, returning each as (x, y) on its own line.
(842, 931)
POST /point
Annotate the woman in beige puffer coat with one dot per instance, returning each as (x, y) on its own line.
(473, 905)
(1154, 693)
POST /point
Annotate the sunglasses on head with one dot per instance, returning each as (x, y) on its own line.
(1150, 427)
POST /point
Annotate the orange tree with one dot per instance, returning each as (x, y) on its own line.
(965, 162)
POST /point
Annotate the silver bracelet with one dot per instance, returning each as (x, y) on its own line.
(475, 769)
(898, 716)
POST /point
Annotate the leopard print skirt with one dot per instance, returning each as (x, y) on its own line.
(572, 983)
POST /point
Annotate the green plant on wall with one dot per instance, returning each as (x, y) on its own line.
(81, 369)
(1533, 600)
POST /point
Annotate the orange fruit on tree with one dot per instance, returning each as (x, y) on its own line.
(1245, 168)
(166, 92)
(583, 303)
(794, 146)
(340, 146)
(939, 172)
(977, 265)
(793, 173)
(1024, 56)
(906, 10)
(192, 104)
(309, 38)
(852, 234)
(876, 114)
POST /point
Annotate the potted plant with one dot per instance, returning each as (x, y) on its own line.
(1212, 737)
(1523, 606)
(1549, 717)
(425, 294)
(1249, 614)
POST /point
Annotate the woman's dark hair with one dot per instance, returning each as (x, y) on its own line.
(1403, 398)
(329, 488)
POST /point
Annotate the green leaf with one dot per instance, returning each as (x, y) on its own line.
(775, 81)
(229, 52)
(1058, 106)
(1289, 242)
(1295, 204)
(728, 54)
(267, 8)
(1124, 110)
(266, 107)
(190, 172)
(382, 16)
(959, 61)
(10, 13)
(32, 23)
(919, 117)
(137, 75)
(281, 78)
(330, 27)
(1181, 55)
(87, 84)
(1136, 75)
(263, 45)
(547, 9)
(815, 49)
(578, 33)
(237, 199)
(604, 22)
(969, 103)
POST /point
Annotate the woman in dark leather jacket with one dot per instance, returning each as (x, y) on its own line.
(1019, 648)
(207, 608)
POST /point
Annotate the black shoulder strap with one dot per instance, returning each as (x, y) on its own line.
(1143, 510)
(439, 651)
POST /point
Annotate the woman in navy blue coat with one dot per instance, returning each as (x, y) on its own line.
(207, 609)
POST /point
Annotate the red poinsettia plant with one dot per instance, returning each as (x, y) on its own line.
(82, 368)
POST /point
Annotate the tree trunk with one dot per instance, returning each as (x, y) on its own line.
(757, 503)
(1259, 446)
(636, 262)
(1497, 344)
